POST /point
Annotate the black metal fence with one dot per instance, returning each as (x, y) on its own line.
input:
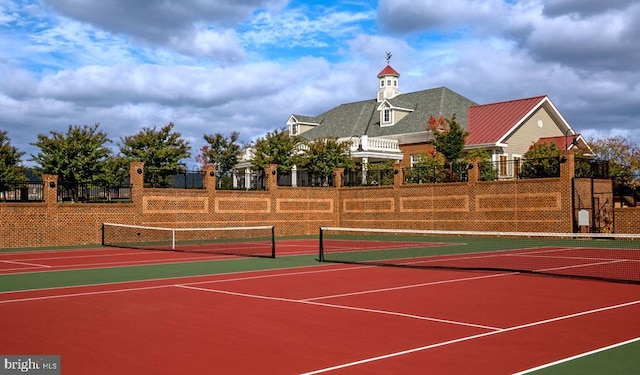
(453, 172)
(93, 192)
(304, 178)
(371, 177)
(592, 168)
(21, 191)
(180, 179)
(255, 180)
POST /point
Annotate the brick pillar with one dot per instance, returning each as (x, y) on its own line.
(338, 174)
(50, 193)
(473, 171)
(136, 178)
(271, 171)
(210, 178)
(398, 176)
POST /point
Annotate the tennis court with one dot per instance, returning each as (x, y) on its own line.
(294, 315)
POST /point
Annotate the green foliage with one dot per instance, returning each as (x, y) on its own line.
(428, 168)
(380, 173)
(161, 150)
(78, 156)
(448, 138)
(623, 156)
(11, 169)
(323, 156)
(488, 172)
(222, 151)
(277, 147)
(542, 160)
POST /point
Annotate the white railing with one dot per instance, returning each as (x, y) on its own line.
(365, 143)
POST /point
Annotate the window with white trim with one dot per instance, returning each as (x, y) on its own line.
(386, 116)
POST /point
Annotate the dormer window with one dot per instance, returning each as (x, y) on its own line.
(386, 115)
(294, 129)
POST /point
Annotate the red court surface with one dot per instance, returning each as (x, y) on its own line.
(321, 319)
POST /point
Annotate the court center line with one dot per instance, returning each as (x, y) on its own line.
(343, 307)
(568, 359)
(407, 286)
(469, 338)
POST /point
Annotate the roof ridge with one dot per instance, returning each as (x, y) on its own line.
(511, 101)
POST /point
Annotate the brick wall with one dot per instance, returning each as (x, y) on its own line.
(518, 205)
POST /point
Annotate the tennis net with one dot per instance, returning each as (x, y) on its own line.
(257, 241)
(610, 257)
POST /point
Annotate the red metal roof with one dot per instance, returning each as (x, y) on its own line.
(388, 71)
(489, 123)
(561, 142)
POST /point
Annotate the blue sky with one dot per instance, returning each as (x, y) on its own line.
(225, 65)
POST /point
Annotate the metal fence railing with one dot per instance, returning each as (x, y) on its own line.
(368, 177)
(21, 191)
(254, 180)
(304, 178)
(452, 172)
(93, 192)
(180, 179)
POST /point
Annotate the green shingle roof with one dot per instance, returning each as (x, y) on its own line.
(362, 118)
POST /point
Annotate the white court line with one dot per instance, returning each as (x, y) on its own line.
(568, 359)
(342, 307)
(468, 338)
(172, 280)
(30, 299)
(24, 264)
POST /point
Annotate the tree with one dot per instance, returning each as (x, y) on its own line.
(161, 150)
(542, 160)
(428, 168)
(448, 137)
(323, 156)
(79, 156)
(222, 151)
(487, 170)
(623, 156)
(277, 147)
(11, 169)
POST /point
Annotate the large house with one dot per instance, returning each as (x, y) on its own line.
(395, 125)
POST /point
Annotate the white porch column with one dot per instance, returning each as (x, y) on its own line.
(247, 178)
(294, 176)
(365, 166)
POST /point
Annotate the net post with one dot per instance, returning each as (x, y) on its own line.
(173, 239)
(102, 234)
(320, 247)
(273, 242)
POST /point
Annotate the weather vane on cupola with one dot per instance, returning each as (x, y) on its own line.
(388, 57)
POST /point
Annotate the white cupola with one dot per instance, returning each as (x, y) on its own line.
(388, 83)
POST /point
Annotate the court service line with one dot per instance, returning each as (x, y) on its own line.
(469, 338)
(343, 307)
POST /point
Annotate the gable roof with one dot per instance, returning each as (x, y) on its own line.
(489, 123)
(362, 118)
